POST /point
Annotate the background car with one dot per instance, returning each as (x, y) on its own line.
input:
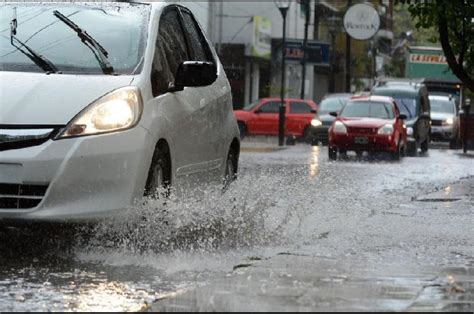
(368, 124)
(445, 124)
(262, 117)
(318, 131)
(412, 101)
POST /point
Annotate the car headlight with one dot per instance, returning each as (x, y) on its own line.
(116, 111)
(316, 122)
(448, 121)
(387, 129)
(340, 128)
(409, 131)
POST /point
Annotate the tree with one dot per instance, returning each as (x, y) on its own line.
(454, 21)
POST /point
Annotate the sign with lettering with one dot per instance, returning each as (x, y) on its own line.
(361, 21)
(427, 58)
(316, 52)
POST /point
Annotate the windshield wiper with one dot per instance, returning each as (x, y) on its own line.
(99, 52)
(38, 59)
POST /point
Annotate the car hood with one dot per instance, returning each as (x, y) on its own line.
(366, 122)
(40, 99)
(441, 115)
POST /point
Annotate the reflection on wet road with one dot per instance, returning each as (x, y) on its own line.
(291, 200)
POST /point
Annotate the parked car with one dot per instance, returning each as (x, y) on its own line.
(445, 123)
(318, 131)
(371, 123)
(104, 106)
(412, 101)
(262, 117)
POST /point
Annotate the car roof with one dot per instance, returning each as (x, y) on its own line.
(286, 99)
(338, 95)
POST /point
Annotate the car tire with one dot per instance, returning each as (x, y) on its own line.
(425, 145)
(231, 166)
(455, 143)
(307, 135)
(398, 153)
(412, 149)
(242, 129)
(332, 153)
(159, 175)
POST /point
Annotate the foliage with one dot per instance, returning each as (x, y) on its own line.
(454, 21)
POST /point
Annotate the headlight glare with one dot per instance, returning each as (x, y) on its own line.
(315, 122)
(340, 128)
(448, 121)
(118, 110)
(409, 131)
(387, 129)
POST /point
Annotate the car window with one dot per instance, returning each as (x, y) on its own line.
(333, 104)
(406, 106)
(270, 107)
(170, 52)
(198, 45)
(120, 29)
(300, 107)
(367, 109)
(442, 106)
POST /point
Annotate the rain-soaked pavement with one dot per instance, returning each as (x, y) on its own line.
(295, 232)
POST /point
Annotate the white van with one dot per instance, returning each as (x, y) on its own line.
(103, 103)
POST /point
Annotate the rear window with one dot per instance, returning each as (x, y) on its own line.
(300, 107)
(120, 28)
(367, 109)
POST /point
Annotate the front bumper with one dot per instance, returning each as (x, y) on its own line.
(375, 143)
(319, 134)
(443, 133)
(84, 178)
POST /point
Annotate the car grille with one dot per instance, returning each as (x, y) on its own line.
(364, 131)
(436, 122)
(16, 137)
(21, 196)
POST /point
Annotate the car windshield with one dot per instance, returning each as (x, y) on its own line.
(119, 27)
(333, 104)
(442, 106)
(367, 109)
(406, 106)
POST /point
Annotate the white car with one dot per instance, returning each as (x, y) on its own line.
(103, 103)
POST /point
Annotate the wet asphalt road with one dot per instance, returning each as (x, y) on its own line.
(292, 201)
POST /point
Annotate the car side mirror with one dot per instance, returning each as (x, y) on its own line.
(314, 111)
(333, 113)
(194, 74)
(402, 116)
(425, 115)
(258, 111)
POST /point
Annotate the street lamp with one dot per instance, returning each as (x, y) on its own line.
(283, 6)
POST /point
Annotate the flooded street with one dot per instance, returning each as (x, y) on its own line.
(365, 215)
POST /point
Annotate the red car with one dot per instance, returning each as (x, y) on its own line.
(262, 117)
(368, 123)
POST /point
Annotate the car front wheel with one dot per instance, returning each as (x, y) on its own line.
(159, 175)
(332, 153)
(230, 174)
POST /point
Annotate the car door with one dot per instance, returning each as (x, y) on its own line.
(265, 120)
(213, 101)
(299, 116)
(174, 114)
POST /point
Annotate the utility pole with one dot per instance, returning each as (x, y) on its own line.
(348, 56)
(306, 5)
